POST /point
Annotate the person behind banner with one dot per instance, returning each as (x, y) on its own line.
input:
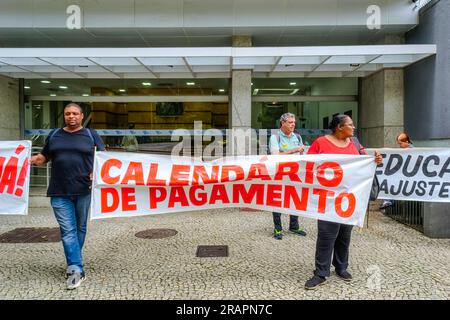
(71, 151)
(129, 142)
(333, 239)
(404, 142)
(286, 142)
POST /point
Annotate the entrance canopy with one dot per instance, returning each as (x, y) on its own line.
(207, 62)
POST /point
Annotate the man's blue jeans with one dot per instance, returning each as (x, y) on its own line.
(71, 212)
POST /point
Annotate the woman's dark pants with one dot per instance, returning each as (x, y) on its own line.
(332, 239)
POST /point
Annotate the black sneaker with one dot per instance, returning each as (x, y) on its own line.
(278, 234)
(314, 282)
(345, 275)
(298, 231)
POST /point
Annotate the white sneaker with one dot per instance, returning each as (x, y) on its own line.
(75, 279)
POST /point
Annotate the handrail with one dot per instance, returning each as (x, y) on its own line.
(88, 119)
(36, 136)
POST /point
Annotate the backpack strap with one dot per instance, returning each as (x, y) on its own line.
(91, 136)
(358, 145)
(58, 129)
(53, 133)
(299, 137)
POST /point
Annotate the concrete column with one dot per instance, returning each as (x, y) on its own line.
(9, 109)
(240, 111)
(381, 108)
(436, 220)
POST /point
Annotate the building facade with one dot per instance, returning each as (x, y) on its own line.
(233, 64)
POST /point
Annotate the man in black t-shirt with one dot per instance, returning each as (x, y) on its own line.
(71, 151)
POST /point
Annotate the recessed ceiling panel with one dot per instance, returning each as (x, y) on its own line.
(293, 67)
(89, 69)
(69, 61)
(335, 67)
(116, 61)
(4, 69)
(208, 61)
(24, 61)
(254, 60)
(301, 60)
(211, 68)
(349, 59)
(394, 58)
(162, 61)
(127, 69)
(48, 68)
(170, 69)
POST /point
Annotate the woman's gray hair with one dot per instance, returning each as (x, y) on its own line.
(284, 117)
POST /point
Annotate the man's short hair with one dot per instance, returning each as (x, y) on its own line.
(73, 104)
(285, 116)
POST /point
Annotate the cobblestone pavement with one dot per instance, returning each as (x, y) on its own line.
(388, 260)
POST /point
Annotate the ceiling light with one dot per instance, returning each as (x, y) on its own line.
(274, 105)
(146, 84)
(252, 83)
(221, 90)
(85, 94)
(45, 81)
(62, 87)
(190, 83)
(122, 90)
(292, 83)
(52, 95)
(26, 87)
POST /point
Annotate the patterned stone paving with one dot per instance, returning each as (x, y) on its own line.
(388, 260)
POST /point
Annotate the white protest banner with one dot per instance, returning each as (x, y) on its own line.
(419, 174)
(327, 187)
(14, 176)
